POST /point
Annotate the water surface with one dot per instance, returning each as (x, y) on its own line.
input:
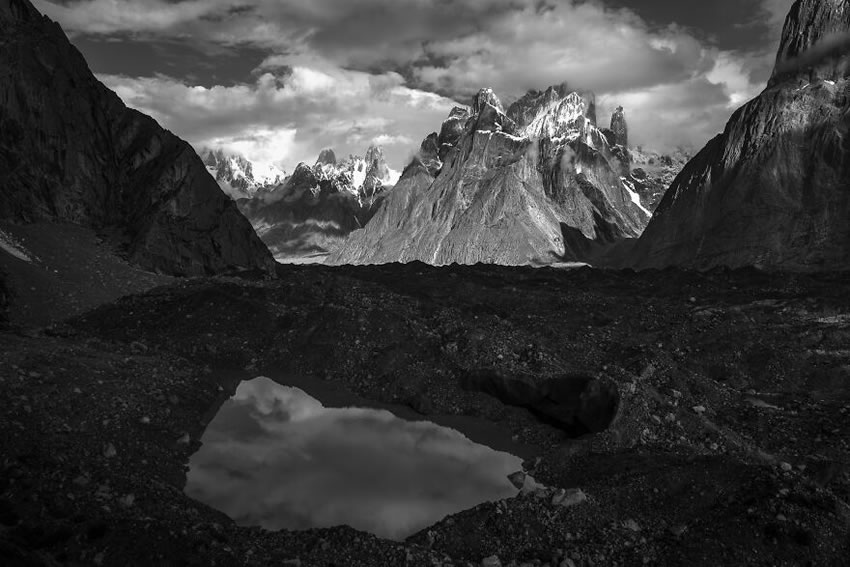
(275, 457)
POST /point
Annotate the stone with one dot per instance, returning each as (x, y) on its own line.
(517, 479)
(109, 451)
(492, 561)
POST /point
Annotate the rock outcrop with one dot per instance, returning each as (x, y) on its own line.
(620, 128)
(313, 211)
(71, 151)
(773, 190)
(536, 183)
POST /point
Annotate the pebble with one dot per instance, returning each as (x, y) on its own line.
(786, 467)
(146, 420)
(517, 479)
(109, 451)
(631, 525)
(492, 561)
(699, 410)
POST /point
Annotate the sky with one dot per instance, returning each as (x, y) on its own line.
(279, 80)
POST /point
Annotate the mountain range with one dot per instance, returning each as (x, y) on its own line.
(307, 217)
(536, 183)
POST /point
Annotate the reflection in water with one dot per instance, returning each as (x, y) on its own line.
(275, 457)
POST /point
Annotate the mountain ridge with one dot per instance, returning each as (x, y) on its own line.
(104, 165)
(772, 189)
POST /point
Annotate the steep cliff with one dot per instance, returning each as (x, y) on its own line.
(773, 189)
(71, 151)
(535, 183)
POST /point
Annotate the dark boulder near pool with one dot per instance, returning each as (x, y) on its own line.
(577, 404)
(275, 457)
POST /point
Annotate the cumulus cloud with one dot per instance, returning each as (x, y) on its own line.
(342, 74)
(289, 114)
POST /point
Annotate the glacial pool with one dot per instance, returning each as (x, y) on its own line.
(275, 457)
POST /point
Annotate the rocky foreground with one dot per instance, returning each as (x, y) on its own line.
(728, 446)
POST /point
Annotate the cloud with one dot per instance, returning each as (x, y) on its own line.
(341, 74)
(288, 115)
(831, 48)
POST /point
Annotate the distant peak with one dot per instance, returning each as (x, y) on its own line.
(486, 97)
(326, 157)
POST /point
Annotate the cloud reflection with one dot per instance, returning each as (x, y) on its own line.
(274, 456)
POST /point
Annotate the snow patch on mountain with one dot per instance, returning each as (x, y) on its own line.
(240, 177)
(634, 195)
(11, 246)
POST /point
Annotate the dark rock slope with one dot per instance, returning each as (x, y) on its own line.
(536, 183)
(71, 151)
(774, 188)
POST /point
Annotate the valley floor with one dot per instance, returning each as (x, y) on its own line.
(730, 445)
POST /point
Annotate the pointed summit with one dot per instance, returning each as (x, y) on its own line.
(484, 98)
(326, 157)
(620, 128)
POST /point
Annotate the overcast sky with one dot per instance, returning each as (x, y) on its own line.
(281, 79)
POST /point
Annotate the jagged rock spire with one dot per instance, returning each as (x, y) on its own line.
(486, 97)
(326, 157)
(620, 128)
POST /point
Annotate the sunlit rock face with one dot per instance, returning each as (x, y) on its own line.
(309, 215)
(275, 457)
(773, 189)
(532, 184)
(71, 151)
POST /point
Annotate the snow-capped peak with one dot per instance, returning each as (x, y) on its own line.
(560, 117)
(239, 176)
(360, 176)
